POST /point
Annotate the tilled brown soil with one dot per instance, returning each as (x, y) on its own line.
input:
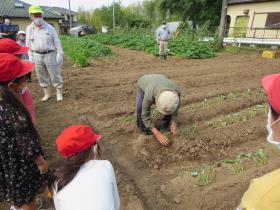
(219, 118)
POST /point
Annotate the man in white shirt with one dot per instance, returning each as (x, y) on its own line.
(163, 37)
(46, 52)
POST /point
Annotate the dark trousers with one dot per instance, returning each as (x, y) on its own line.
(165, 122)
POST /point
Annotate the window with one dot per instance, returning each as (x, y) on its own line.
(273, 20)
(19, 5)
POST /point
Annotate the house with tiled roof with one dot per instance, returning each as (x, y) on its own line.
(254, 18)
(18, 12)
(65, 17)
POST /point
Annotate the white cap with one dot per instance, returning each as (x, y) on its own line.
(21, 32)
(167, 102)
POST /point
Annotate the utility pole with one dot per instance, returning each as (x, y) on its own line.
(114, 21)
(223, 22)
(70, 14)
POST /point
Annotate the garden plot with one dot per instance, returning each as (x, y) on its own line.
(220, 144)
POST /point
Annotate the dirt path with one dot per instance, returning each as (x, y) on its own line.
(150, 176)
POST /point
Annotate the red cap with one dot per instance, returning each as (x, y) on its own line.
(271, 84)
(75, 139)
(12, 67)
(10, 46)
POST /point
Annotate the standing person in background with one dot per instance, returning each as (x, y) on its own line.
(85, 182)
(21, 40)
(163, 37)
(46, 52)
(7, 29)
(10, 46)
(22, 165)
(165, 94)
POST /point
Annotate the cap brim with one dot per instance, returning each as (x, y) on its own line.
(165, 113)
(267, 81)
(27, 67)
(22, 50)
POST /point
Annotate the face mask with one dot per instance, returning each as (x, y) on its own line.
(21, 38)
(95, 151)
(270, 136)
(38, 21)
(7, 21)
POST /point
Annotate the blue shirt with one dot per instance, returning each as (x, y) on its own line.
(163, 34)
(10, 28)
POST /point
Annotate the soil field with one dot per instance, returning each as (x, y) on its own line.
(223, 113)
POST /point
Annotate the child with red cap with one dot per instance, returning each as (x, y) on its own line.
(10, 46)
(84, 182)
(22, 166)
(263, 193)
(271, 84)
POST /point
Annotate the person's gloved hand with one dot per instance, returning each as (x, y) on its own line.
(59, 58)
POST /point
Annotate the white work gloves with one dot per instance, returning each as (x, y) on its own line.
(59, 58)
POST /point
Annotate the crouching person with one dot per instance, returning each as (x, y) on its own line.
(159, 90)
(84, 182)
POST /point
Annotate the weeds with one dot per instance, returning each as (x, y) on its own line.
(205, 103)
(185, 131)
(235, 166)
(237, 117)
(221, 98)
(128, 119)
(81, 50)
(252, 113)
(259, 157)
(206, 175)
(182, 46)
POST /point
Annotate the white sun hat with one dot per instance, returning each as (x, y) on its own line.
(167, 102)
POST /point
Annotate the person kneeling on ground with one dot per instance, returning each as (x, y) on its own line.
(157, 89)
(84, 182)
(263, 193)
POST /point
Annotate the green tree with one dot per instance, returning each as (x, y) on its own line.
(197, 11)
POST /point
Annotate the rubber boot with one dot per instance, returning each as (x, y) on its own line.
(47, 96)
(59, 96)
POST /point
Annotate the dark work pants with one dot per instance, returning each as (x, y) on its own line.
(165, 122)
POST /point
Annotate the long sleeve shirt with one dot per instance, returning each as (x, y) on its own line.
(42, 39)
(163, 34)
(152, 85)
